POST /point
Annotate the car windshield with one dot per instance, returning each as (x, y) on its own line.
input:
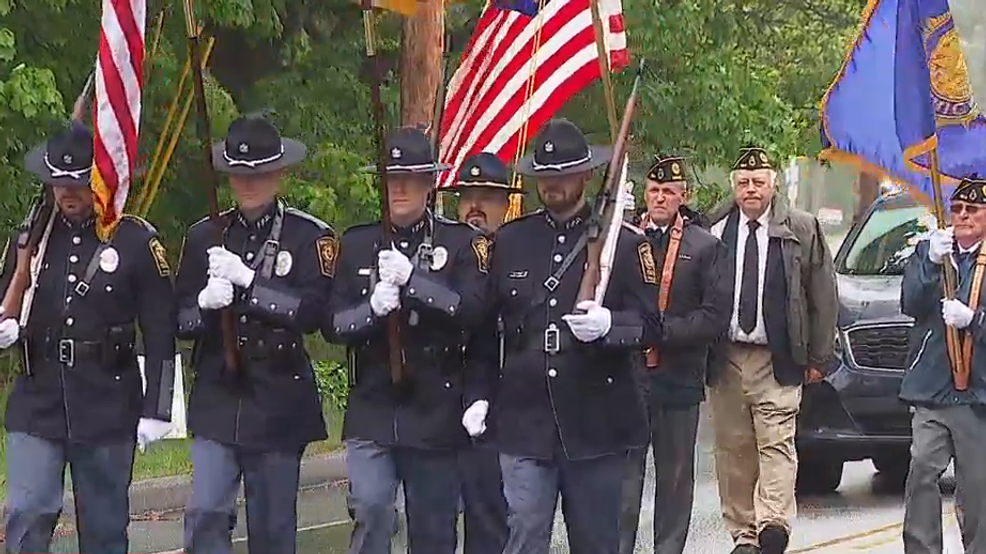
(886, 239)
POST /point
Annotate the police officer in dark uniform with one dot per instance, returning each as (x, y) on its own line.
(433, 275)
(80, 401)
(483, 188)
(696, 310)
(274, 271)
(567, 406)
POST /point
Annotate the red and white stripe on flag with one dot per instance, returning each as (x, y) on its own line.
(518, 69)
(116, 111)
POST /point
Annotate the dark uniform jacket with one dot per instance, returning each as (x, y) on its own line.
(439, 305)
(700, 304)
(928, 381)
(584, 394)
(272, 401)
(80, 339)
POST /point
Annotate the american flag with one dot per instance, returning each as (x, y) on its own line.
(116, 110)
(524, 61)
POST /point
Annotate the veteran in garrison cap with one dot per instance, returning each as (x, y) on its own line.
(79, 399)
(781, 334)
(947, 420)
(271, 271)
(696, 302)
(431, 273)
(567, 407)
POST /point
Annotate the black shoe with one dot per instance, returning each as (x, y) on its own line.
(745, 549)
(773, 540)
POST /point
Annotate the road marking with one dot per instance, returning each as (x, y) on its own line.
(864, 535)
(306, 529)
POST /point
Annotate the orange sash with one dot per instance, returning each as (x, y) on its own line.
(964, 367)
(667, 274)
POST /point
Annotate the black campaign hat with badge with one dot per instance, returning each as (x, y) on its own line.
(253, 146)
(65, 158)
(752, 158)
(561, 149)
(667, 168)
(972, 189)
(408, 150)
(486, 171)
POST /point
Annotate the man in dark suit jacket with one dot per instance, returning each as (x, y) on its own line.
(695, 302)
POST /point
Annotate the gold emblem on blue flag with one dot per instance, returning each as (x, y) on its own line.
(950, 87)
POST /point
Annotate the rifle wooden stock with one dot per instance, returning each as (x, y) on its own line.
(27, 243)
(605, 203)
(230, 350)
(395, 352)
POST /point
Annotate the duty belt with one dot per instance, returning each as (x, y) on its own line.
(551, 340)
(66, 350)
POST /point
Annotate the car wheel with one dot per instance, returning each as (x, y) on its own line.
(893, 467)
(818, 473)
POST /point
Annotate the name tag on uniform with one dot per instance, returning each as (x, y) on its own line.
(517, 275)
(364, 271)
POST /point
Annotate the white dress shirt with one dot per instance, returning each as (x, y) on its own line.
(759, 333)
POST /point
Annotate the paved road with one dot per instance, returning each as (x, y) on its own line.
(864, 516)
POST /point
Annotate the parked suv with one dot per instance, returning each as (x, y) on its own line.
(855, 414)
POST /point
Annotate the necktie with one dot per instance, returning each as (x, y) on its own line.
(751, 277)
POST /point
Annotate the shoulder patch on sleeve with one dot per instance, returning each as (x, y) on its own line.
(160, 256)
(481, 246)
(328, 253)
(647, 266)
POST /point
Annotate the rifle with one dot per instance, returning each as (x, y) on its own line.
(396, 353)
(604, 206)
(195, 54)
(28, 240)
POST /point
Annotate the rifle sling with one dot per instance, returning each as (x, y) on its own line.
(667, 274)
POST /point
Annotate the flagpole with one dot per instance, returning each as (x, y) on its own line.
(230, 348)
(603, 55)
(960, 372)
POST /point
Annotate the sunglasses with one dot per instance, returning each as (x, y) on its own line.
(971, 209)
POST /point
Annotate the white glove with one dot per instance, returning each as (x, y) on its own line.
(474, 420)
(10, 331)
(940, 244)
(229, 266)
(151, 430)
(956, 314)
(591, 325)
(386, 298)
(217, 294)
(394, 267)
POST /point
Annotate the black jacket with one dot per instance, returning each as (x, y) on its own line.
(440, 305)
(272, 400)
(80, 339)
(699, 308)
(584, 394)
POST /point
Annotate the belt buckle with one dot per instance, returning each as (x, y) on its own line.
(551, 339)
(66, 352)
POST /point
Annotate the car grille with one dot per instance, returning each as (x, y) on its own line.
(883, 347)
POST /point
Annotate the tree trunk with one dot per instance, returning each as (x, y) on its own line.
(422, 45)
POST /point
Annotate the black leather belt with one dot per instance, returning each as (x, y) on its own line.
(66, 351)
(553, 340)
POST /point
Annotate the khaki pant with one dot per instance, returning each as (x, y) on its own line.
(756, 461)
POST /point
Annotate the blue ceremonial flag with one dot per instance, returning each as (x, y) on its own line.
(526, 7)
(903, 91)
